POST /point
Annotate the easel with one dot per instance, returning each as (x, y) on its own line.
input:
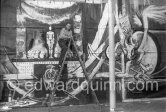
(51, 98)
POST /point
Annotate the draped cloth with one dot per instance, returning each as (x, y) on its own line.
(54, 15)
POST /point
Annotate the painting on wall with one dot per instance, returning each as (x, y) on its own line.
(52, 19)
(139, 53)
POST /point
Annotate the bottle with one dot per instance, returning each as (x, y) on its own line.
(46, 99)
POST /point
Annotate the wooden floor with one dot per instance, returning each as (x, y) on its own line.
(148, 106)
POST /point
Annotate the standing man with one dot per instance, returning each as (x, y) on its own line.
(50, 41)
(64, 38)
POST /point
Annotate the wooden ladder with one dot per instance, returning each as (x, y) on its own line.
(51, 101)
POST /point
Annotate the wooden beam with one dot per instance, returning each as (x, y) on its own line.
(81, 1)
(7, 77)
(111, 57)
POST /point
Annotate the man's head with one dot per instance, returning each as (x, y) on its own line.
(50, 28)
(68, 26)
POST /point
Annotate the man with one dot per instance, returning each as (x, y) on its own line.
(50, 41)
(64, 38)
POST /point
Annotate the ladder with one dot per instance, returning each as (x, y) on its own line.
(51, 100)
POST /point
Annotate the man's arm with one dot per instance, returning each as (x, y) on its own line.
(70, 34)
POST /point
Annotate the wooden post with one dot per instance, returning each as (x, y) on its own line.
(111, 58)
(122, 80)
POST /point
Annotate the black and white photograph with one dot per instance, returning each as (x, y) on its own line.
(83, 56)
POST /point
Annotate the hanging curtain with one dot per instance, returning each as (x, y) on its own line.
(46, 15)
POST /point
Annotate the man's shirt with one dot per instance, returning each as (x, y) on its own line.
(65, 34)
